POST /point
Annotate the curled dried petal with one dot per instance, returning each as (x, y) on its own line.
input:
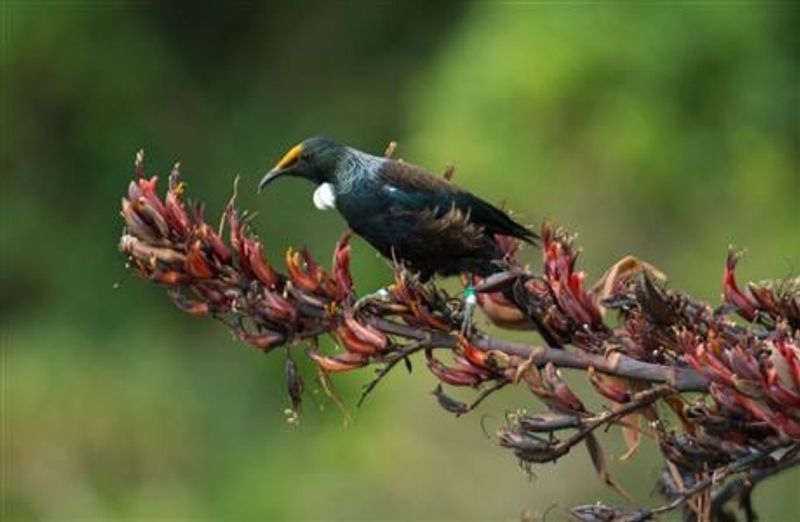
(742, 302)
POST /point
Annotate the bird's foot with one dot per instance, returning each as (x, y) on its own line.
(470, 302)
(381, 295)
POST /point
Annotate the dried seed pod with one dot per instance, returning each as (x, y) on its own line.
(448, 403)
(294, 383)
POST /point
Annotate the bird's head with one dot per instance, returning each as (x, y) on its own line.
(314, 159)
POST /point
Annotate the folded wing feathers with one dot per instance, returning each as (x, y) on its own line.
(412, 186)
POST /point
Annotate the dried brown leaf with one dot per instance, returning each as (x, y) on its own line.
(599, 462)
(620, 271)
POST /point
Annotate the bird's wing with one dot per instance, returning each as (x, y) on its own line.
(413, 188)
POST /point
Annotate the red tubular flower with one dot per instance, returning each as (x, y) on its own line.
(151, 215)
(474, 355)
(565, 399)
(190, 306)
(410, 294)
(454, 377)
(791, 355)
(176, 215)
(734, 296)
(145, 189)
(351, 343)
(277, 308)
(168, 277)
(366, 333)
(300, 273)
(258, 264)
(264, 341)
(136, 224)
(337, 363)
(609, 389)
(197, 264)
(341, 267)
(778, 389)
(565, 283)
(213, 242)
(743, 364)
(788, 425)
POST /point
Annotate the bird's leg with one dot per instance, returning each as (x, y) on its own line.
(470, 302)
(379, 295)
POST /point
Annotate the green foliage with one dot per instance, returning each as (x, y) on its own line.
(668, 133)
(661, 131)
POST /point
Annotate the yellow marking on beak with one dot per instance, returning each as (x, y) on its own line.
(290, 157)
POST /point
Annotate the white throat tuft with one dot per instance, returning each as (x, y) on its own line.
(325, 197)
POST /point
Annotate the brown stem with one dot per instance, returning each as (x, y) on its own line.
(680, 378)
(742, 487)
(738, 466)
(639, 401)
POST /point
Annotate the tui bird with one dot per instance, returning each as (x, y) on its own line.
(405, 212)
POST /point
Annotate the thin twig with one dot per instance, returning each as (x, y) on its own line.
(738, 466)
(499, 385)
(398, 356)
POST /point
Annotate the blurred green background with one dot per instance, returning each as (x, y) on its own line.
(669, 132)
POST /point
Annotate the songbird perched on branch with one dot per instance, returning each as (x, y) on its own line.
(404, 211)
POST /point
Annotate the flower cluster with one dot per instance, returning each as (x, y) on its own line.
(661, 343)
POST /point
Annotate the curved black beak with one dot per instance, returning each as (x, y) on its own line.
(271, 176)
(284, 167)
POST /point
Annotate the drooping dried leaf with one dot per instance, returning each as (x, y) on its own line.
(599, 462)
(631, 434)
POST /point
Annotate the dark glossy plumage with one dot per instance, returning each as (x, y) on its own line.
(405, 212)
